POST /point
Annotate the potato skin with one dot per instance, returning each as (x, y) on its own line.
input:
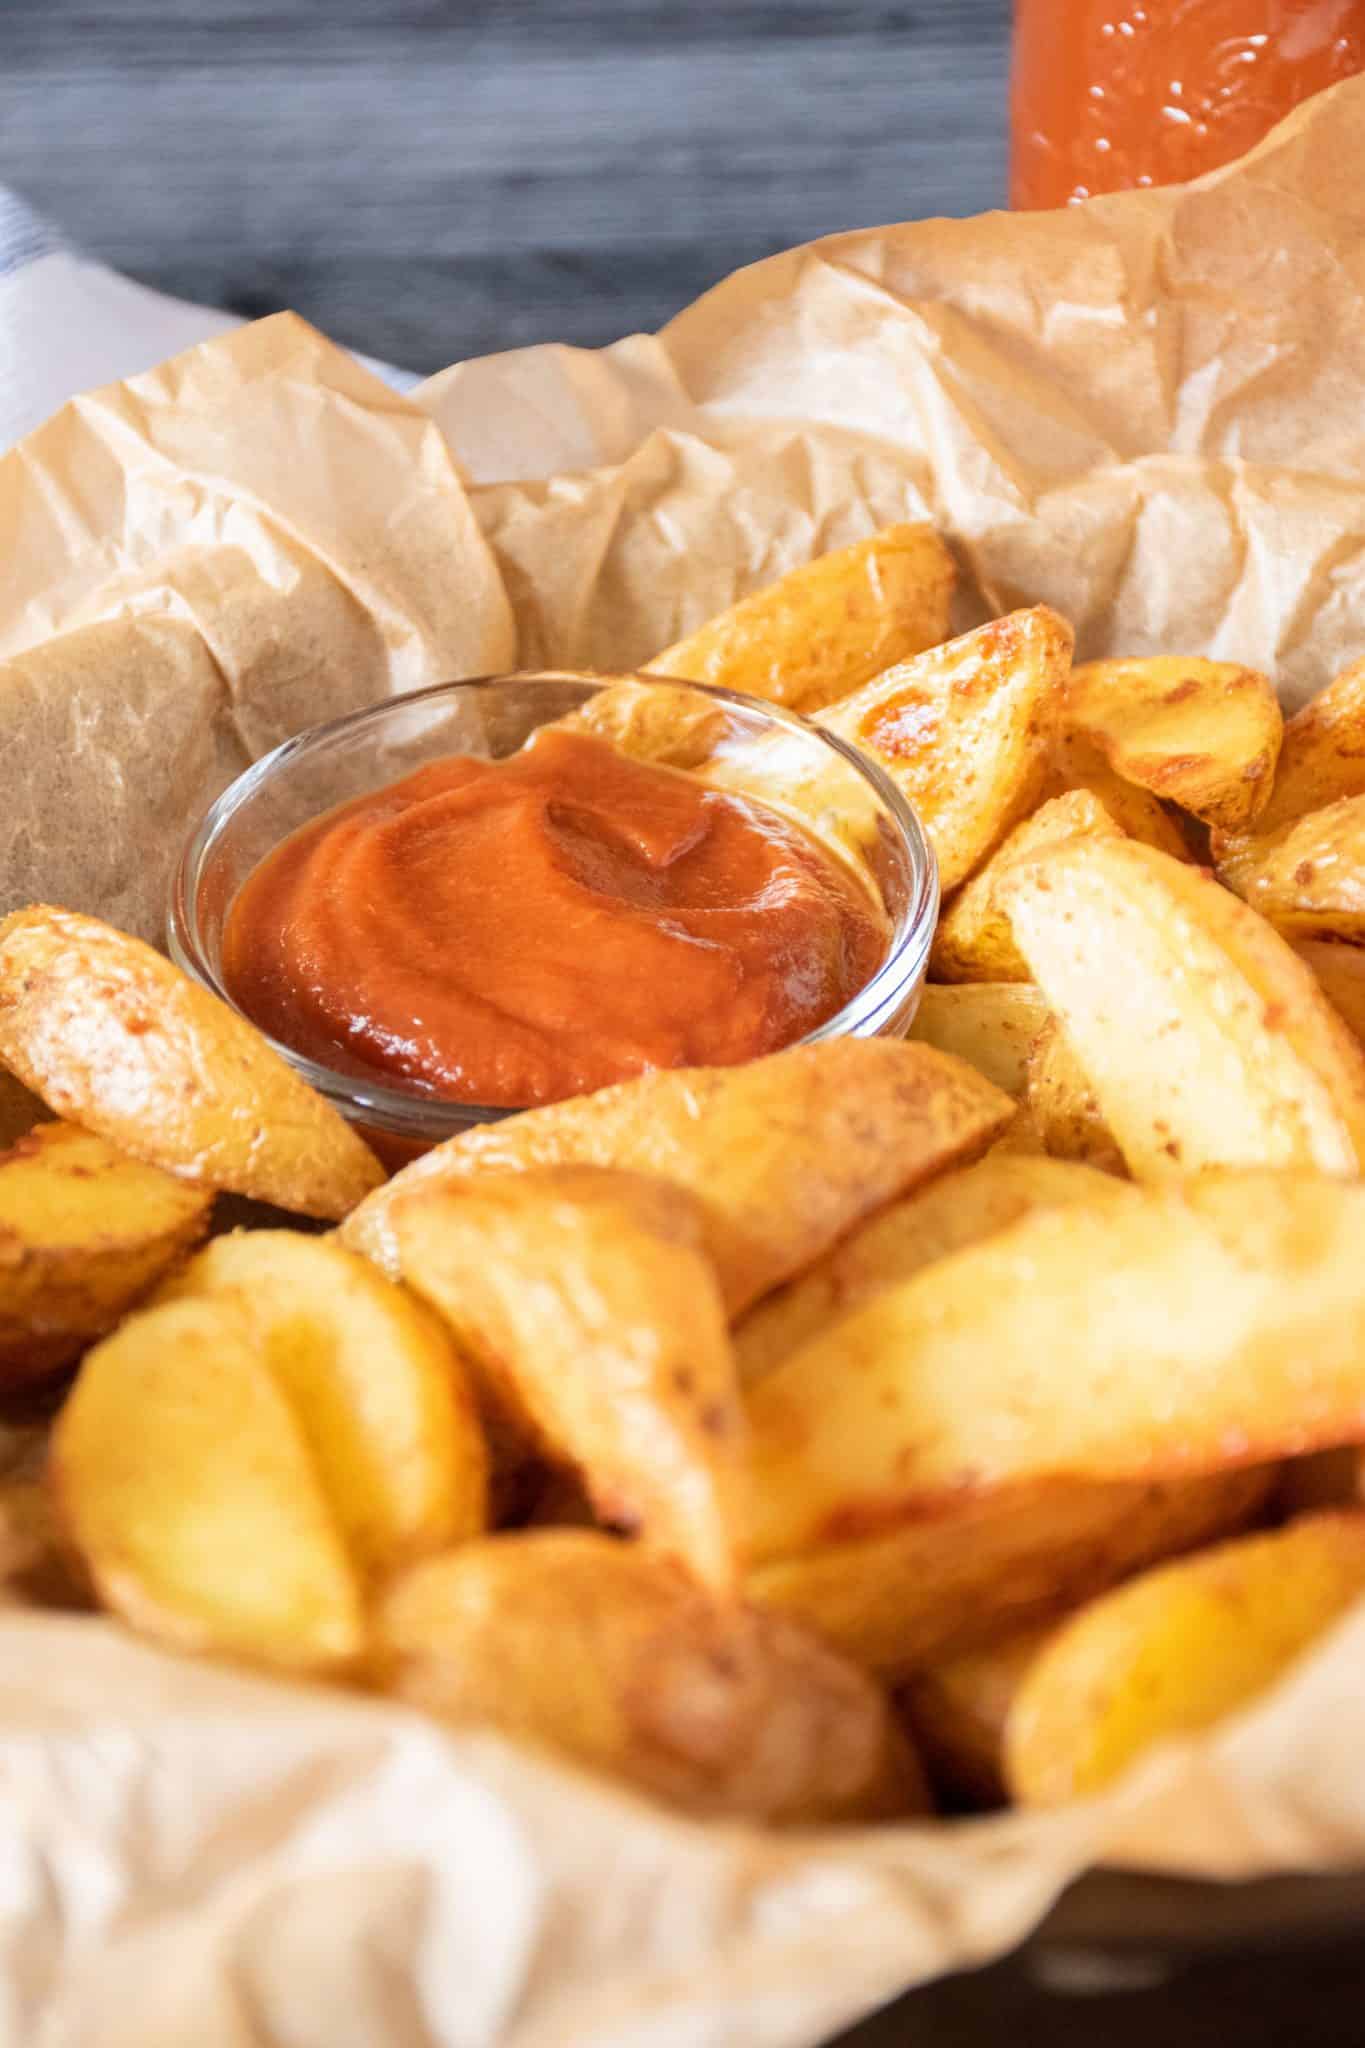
(115, 1038)
(1174, 1651)
(784, 1155)
(85, 1232)
(591, 1647)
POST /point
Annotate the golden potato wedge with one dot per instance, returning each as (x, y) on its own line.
(1339, 971)
(826, 628)
(1205, 1039)
(185, 1482)
(1176, 1651)
(957, 1711)
(977, 1567)
(960, 1209)
(785, 1154)
(964, 730)
(612, 1656)
(974, 941)
(385, 1403)
(1203, 734)
(585, 1303)
(1308, 876)
(115, 1038)
(1181, 1329)
(1064, 1108)
(1322, 756)
(20, 1109)
(990, 1025)
(1074, 764)
(84, 1231)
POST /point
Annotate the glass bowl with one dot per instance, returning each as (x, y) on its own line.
(493, 716)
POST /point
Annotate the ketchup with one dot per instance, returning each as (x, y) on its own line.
(1109, 94)
(511, 932)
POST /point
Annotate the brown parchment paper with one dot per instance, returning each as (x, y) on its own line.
(1149, 412)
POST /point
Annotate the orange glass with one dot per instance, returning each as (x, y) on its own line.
(1107, 95)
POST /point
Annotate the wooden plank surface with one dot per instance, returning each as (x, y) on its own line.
(428, 181)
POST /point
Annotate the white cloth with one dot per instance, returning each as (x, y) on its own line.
(68, 324)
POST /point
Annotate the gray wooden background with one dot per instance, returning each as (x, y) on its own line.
(429, 180)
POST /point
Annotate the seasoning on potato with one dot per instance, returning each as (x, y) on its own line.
(585, 1304)
(84, 1232)
(115, 1038)
(784, 1155)
(614, 1658)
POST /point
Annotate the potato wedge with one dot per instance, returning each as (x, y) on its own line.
(185, 1483)
(385, 1404)
(1178, 1330)
(960, 1209)
(826, 628)
(982, 1565)
(1064, 1107)
(115, 1038)
(613, 1657)
(1205, 1039)
(1074, 764)
(1203, 734)
(785, 1155)
(84, 1231)
(957, 1711)
(1306, 877)
(990, 1025)
(1176, 1651)
(594, 1321)
(974, 941)
(1322, 756)
(963, 731)
(1339, 971)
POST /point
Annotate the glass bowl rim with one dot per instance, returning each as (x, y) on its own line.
(398, 1113)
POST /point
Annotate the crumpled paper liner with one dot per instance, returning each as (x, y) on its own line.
(1149, 412)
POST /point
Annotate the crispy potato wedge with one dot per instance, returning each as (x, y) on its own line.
(785, 1154)
(990, 1025)
(1322, 756)
(1205, 1039)
(974, 941)
(957, 1711)
(985, 1564)
(593, 1318)
(84, 1231)
(960, 1209)
(826, 628)
(1075, 764)
(186, 1485)
(1181, 1329)
(611, 1656)
(1203, 734)
(963, 731)
(1176, 1651)
(1339, 971)
(385, 1403)
(1308, 876)
(1064, 1107)
(115, 1038)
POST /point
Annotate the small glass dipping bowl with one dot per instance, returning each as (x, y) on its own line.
(493, 716)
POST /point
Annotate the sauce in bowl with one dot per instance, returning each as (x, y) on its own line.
(511, 932)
